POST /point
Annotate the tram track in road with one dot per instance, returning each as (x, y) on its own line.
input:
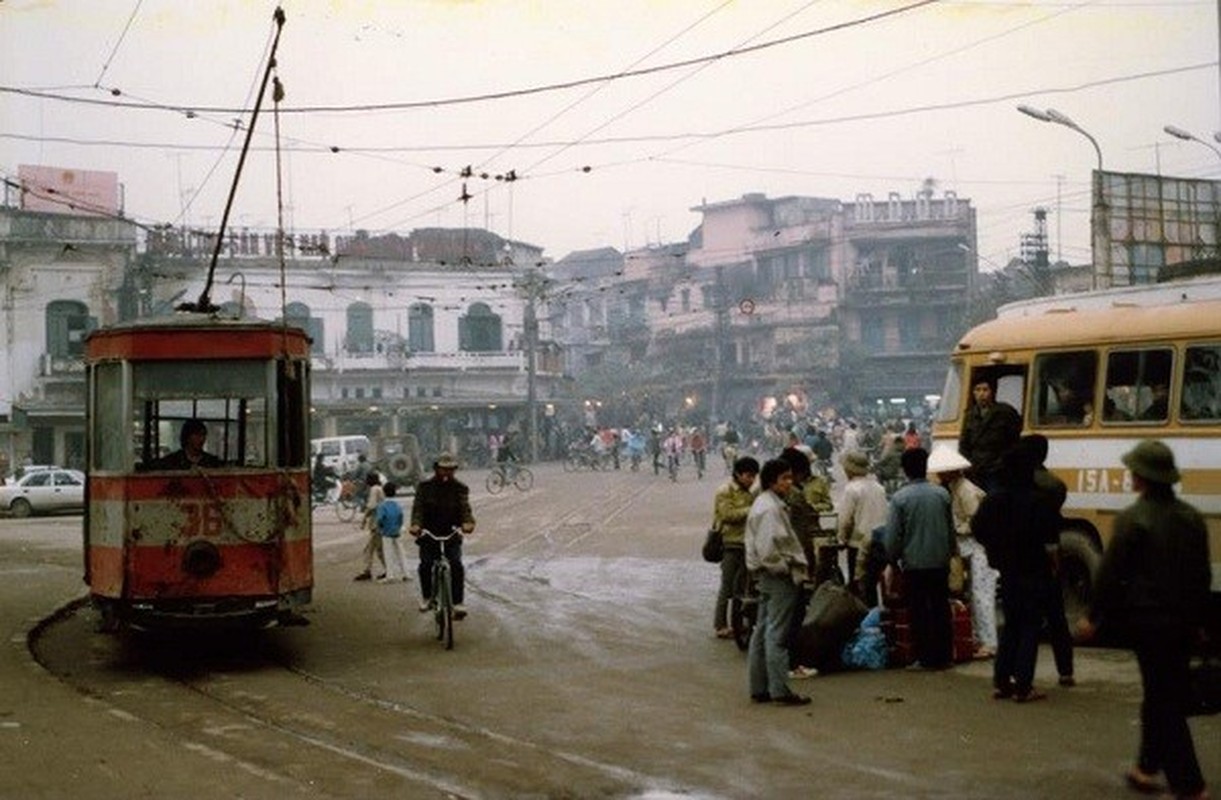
(585, 512)
(245, 703)
(359, 719)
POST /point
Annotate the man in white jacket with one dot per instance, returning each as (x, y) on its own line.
(775, 558)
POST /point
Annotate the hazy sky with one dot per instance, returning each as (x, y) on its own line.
(850, 105)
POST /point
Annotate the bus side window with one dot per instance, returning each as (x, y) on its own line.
(1201, 395)
(1064, 388)
(1138, 385)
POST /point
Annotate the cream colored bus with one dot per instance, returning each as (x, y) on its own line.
(1095, 373)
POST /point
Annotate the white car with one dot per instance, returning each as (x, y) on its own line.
(44, 491)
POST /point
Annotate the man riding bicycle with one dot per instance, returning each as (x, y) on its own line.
(442, 503)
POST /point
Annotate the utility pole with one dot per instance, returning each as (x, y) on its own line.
(718, 358)
(1059, 246)
(532, 284)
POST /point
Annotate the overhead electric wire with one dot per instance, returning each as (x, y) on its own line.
(105, 66)
(610, 140)
(920, 63)
(654, 95)
(508, 94)
(740, 129)
(599, 87)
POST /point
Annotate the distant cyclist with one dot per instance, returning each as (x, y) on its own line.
(442, 503)
(673, 448)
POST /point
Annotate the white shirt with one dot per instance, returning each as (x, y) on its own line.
(862, 507)
(771, 544)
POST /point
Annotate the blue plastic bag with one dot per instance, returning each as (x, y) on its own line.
(867, 647)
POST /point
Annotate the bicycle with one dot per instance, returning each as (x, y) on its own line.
(743, 608)
(441, 603)
(348, 501)
(505, 473)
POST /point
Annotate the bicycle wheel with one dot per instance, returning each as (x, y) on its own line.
(523, 480)
(495, 481)
(572, 464)
(345, 509)
(445, 609)
(743, 611)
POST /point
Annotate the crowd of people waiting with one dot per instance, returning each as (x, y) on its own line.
(992, 506)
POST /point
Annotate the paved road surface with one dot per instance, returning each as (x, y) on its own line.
(587, 669)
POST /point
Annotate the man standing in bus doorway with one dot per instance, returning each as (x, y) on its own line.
(991, 429)
(441, 504)
(1152, 592)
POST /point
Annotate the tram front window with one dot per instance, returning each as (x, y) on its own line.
(191, 453)
(191, 414)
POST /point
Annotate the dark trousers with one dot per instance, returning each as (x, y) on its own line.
(928, 597)
(1017, 651)
(1163, 651)
(1058, 635)
(430, 551)
(733, 569)
(875, 563)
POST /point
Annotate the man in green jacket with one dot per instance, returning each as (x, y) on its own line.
(730, 509)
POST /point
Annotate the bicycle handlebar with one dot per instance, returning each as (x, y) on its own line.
(454, 531)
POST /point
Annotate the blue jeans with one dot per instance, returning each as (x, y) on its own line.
(768, 657)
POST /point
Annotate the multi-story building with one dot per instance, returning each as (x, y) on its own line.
(799, 301)
(60, 275)
(419, 334)
(906, 294)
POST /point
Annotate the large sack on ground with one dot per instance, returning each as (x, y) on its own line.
(831, 618)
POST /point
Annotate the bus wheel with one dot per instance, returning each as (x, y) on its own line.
(1079, 562)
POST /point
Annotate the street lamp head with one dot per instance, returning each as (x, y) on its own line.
(1178, 133)
(1060, 118)
(1031, 111)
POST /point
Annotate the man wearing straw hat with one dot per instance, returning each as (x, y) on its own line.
(949, 468)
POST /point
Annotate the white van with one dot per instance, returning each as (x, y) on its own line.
(339, 452)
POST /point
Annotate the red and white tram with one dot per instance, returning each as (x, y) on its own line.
(175, 536)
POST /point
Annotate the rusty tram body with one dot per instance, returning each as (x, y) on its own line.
(170, 542)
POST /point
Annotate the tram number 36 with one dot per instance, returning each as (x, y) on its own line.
(1104, 480)
(201, 519)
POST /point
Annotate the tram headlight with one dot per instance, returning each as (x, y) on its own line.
(201, 559)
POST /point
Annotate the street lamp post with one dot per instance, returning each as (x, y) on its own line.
(1187, 136)
(1099, 226)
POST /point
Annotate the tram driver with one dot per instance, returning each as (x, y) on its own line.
(191, 453)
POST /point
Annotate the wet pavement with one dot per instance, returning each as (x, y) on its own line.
(587, 668)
